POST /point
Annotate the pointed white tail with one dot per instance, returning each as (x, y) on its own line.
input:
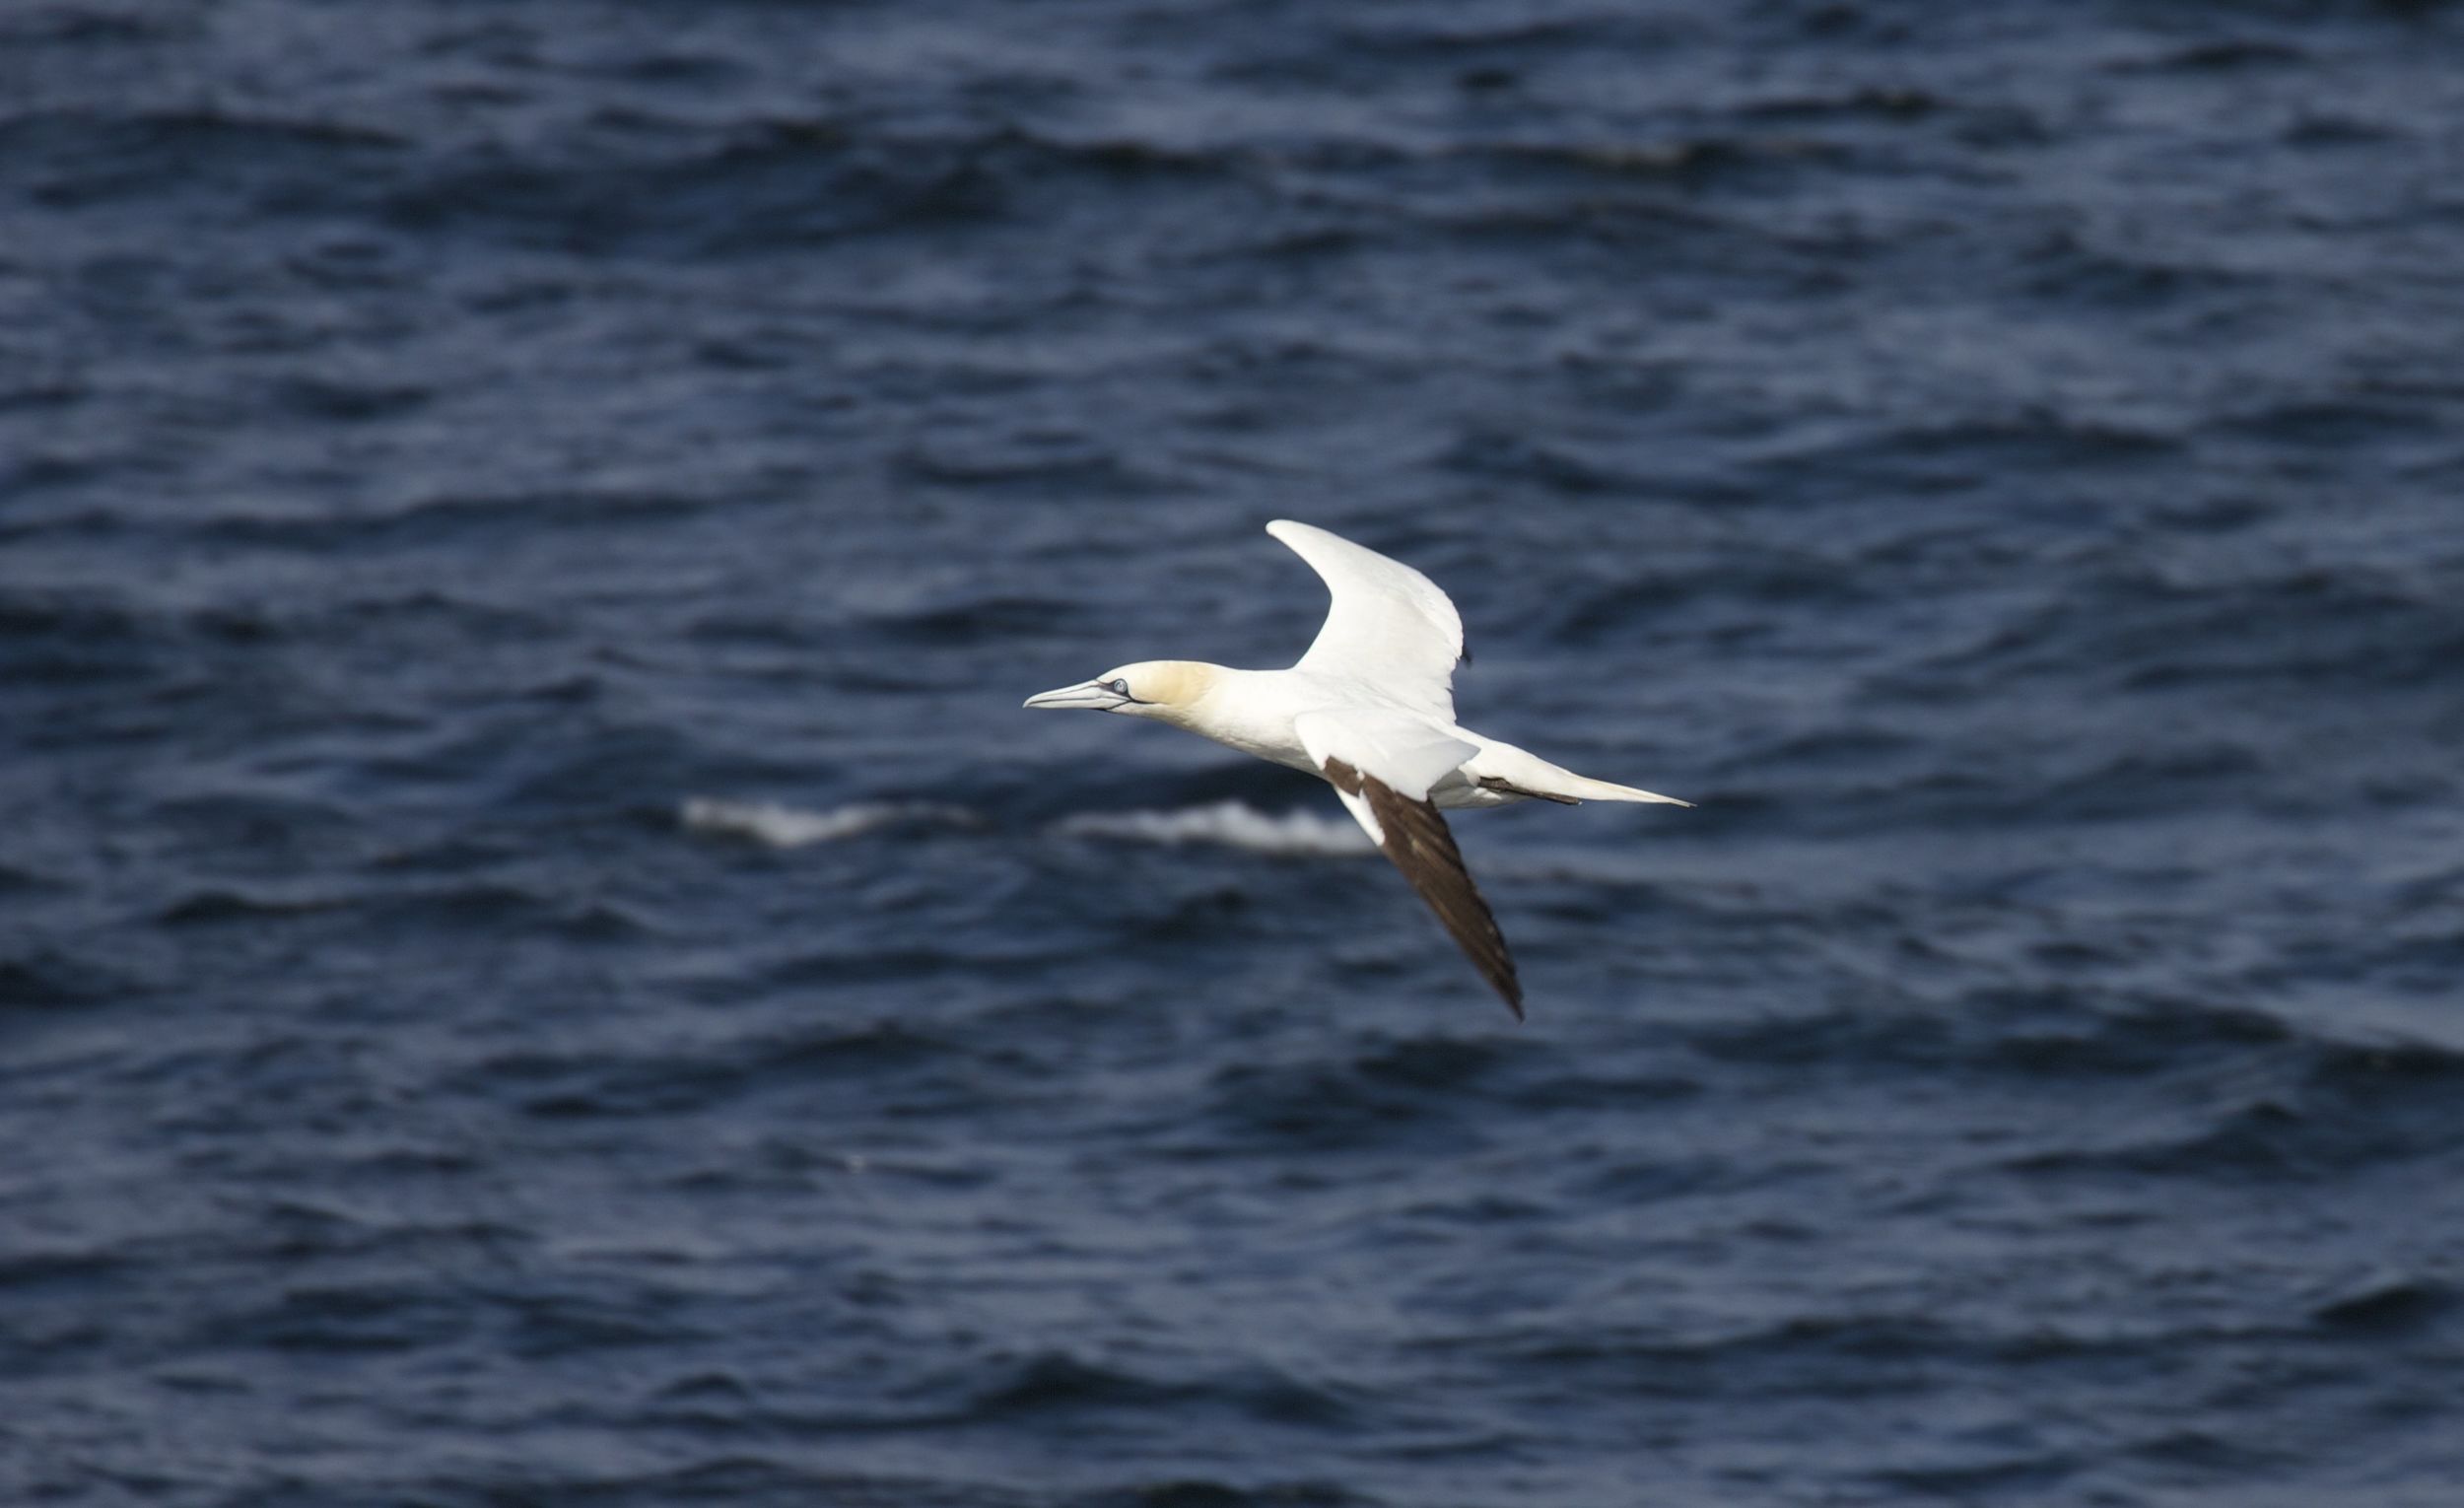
(1527, 772)
(1582, 789)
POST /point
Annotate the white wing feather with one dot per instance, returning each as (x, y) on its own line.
(1389, 626)
(1397, 749)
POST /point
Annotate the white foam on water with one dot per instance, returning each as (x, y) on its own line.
(1233, 824)
(788, 827)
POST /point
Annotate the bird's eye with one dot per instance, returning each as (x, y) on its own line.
(1118, 687)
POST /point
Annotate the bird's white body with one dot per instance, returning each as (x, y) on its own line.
(1370, 709)
(1258, 711)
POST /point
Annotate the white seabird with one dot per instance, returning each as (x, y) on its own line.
(1370, 709)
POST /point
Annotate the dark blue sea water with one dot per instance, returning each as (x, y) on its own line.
(540, 962)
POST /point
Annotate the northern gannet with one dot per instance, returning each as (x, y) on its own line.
(1370, 709)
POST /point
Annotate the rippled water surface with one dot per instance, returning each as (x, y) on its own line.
(540, 961)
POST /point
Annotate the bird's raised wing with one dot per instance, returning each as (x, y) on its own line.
(1383, 764)
(1389, 626)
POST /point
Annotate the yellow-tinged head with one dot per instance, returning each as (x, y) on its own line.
(1165, 689)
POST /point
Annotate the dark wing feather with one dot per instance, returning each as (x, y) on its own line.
(1419, 842)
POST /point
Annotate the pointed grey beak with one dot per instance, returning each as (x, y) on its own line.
(1085, 694)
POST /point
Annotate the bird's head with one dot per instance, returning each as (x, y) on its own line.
(1163, 689)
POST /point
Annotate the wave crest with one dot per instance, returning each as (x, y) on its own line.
(1231, 824)
(1234, 824)
(788, 827)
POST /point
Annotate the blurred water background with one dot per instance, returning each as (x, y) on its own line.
(540, 962)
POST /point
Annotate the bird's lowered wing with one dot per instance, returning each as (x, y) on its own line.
(1383, 764)
(1389, 623)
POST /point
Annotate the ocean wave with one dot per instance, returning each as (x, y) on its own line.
(1053, 1381)
(1234, 824)
(787, 827)
(1231, 824)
